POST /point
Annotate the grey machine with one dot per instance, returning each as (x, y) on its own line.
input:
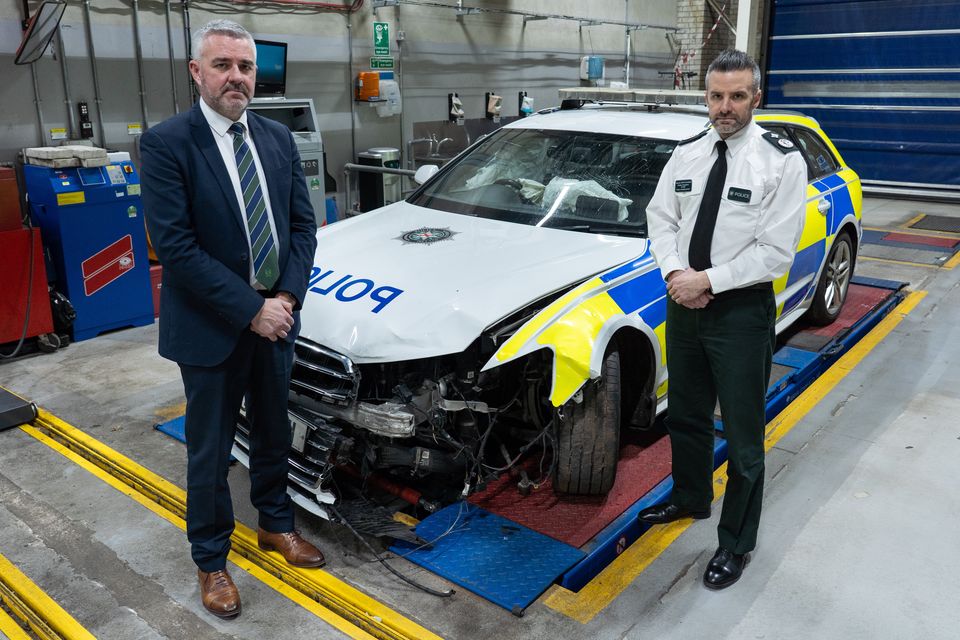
(300, 117)
(379, 189)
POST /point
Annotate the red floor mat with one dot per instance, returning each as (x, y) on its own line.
(577, 519)
(861, 299)
(933, 241)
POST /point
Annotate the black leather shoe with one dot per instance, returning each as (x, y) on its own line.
(666, 512)
(724, 569)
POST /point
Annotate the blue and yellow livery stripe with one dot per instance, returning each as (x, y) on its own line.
(511, 348)
(815, 225)
(628, 267)
(573, 338)
(638, 292)
(852, 196)
(572, 326)
(843, 193)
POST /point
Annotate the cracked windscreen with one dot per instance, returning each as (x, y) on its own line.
(589, 182)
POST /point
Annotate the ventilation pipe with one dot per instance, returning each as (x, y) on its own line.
(67, 96)
(138, 50)
(93, 68)
(173, 71)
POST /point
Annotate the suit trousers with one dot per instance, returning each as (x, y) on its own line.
(723, 351)
(258, 370)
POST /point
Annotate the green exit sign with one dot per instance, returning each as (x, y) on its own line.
(381, 39)
(381, 63)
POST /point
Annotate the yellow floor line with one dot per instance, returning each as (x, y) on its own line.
(928, 233)
(585, 604)
(360, 608)
(900, 262)
(10, 628)
(170, 412)
(242, 534)
(39, 603)
(914, 220)
(952, 262)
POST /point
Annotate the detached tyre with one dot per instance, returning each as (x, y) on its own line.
(834, 281)
(588, 435)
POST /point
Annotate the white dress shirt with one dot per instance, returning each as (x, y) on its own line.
(220, 127)
(761, 211)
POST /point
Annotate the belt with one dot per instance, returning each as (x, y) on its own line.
(760, 286)
(729, 293)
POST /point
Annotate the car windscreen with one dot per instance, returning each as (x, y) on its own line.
(590, 182)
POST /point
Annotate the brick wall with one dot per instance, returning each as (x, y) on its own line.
(695, 19)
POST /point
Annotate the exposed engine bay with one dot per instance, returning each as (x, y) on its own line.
(428, 432)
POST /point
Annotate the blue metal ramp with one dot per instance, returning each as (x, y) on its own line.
(500, 560)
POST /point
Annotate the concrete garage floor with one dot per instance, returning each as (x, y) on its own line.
(858, 538)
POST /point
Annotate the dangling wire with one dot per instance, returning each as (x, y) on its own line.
(383, 561)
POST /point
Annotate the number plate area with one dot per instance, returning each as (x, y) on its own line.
(299, 429)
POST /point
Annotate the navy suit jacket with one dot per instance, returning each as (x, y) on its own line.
(196, 229)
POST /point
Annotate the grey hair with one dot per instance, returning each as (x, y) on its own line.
(734, 60)
(220, 28)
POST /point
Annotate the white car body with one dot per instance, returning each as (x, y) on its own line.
(425, 318)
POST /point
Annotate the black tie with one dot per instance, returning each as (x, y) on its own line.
(702, 237)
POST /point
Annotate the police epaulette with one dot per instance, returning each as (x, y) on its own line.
(783, 144)
(693, 138)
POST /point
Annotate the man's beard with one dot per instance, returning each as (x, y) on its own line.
(233, 105)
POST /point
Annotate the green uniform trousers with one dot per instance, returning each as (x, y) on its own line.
(723, 351)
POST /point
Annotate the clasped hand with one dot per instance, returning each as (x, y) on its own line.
(690, 288)
(274, 319)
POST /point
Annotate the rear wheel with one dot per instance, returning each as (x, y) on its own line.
(588, 434)
(834, 282)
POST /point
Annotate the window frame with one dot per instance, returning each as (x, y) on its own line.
(791, 131)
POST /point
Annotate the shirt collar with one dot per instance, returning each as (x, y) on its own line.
(218, 123)
(737, 140)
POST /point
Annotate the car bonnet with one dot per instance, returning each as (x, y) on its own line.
(406, 282)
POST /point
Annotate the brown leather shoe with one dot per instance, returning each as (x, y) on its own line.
(294, 549)
(218, 593)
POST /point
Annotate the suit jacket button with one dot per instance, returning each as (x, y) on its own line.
(243, 257)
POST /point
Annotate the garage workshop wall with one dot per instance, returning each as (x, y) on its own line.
(440, 53)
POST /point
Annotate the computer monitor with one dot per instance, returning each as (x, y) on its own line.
(271, 68)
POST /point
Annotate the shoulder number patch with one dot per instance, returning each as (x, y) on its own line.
(784, 145)
(693, 138)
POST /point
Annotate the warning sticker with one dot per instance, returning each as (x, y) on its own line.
(73, 197)
(107, 265)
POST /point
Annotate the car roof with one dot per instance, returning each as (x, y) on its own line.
(662, 125)
(662, 114)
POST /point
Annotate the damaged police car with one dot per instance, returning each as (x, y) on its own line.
(510, 309)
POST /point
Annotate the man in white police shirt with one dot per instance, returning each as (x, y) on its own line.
(724, 223)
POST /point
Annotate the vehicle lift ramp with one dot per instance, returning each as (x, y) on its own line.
(510, 548)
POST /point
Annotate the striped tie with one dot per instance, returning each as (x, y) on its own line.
(265, 261)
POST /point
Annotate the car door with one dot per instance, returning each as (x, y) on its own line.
(799, 282)
(832, 200)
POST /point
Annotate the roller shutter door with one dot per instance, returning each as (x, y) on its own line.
(881, 76)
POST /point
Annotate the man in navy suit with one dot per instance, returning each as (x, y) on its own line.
(230, 218)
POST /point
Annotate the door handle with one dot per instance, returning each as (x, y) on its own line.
(823, 206)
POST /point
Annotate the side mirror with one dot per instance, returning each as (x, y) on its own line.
(425, 172)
